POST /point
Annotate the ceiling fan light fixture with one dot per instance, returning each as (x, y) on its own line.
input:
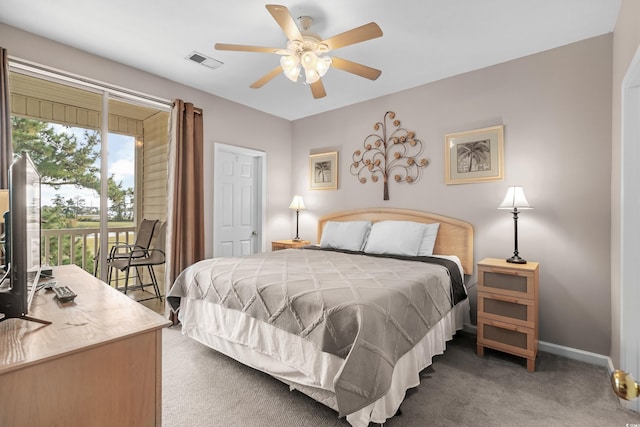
(291, 66)
(323, 64)
(311, 75)
(306, 49)
(293, 74)
(315, 66)
(309, 60)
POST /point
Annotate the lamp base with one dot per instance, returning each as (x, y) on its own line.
(296, 239)
(516, 260)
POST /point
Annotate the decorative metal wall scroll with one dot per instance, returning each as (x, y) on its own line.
(394, 153)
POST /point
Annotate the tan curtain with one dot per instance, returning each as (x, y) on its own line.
(185, 217)
(6, 148)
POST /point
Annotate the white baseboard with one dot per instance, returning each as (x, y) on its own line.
(568, 352)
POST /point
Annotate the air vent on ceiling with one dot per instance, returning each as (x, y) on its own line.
(204, 60)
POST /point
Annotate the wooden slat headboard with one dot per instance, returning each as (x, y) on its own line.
(455, 237)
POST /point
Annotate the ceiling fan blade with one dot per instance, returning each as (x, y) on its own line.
(244, 48)
(360, 34)
(283, 17)
(266, 78)
(317, 89)
(355, 68)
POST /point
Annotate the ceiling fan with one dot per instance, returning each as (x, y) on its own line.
(306, 51)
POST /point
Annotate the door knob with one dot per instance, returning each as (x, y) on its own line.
(624, 386)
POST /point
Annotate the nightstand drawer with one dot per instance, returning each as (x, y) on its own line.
(518, 311)
(511, 282)
(501, 336)
(277, 245)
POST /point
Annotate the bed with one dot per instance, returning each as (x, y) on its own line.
(350, 321)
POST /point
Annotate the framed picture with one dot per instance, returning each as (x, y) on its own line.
(323, 171)
(474, 156)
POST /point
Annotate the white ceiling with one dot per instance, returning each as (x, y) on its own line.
(423, 41)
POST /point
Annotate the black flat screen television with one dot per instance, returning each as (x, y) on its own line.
(22, 236)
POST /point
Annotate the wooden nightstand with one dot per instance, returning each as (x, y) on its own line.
(287, 244)
(508, 308)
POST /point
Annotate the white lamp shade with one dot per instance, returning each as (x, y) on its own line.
(297, 203)
(291, 66)
(515, 199)
(322, 65)
(4, 203)
(311, 75)
(293, 73)
(308, 60)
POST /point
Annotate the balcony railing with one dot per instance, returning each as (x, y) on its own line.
(80, 245)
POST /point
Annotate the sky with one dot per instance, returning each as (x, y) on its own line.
(121, 164)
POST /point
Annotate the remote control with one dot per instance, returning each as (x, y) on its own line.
(50, 285)
(64, 293)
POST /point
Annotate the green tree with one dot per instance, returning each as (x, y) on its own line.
(56, 217)
(53, 217)
(61, 158)
(120, 210)
(64, 159)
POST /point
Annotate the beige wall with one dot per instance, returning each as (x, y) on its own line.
(556, 109)
(224, 121)
(626, 41)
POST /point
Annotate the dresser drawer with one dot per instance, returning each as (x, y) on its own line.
(502, 336)
(504, 281)
(517, 311)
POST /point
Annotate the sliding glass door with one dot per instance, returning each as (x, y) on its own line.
(103, 163)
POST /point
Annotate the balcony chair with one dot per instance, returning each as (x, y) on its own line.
(144, 235)
(139, 258)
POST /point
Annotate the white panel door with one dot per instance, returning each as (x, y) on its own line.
(236, 208)
(630, 225)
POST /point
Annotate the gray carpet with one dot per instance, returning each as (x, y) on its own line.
(204, 388)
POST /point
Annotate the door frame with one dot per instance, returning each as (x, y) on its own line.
(260, 193)
(630, 222)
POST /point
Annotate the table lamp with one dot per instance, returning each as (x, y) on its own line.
(298, 205)
(514, 199)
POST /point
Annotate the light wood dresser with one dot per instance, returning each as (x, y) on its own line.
(508, 308)
(277, 245)
(98, 363)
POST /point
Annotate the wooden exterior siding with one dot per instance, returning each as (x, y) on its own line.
(153, 160)
(155, 167)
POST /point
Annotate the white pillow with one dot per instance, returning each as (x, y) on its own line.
(428, 239)
(348, 235)
(395, 238)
